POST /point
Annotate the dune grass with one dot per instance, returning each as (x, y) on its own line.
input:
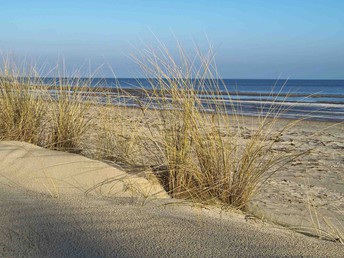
(30, 112)
(196, 149)
(69, 119)
(22, 108)
(204, 155)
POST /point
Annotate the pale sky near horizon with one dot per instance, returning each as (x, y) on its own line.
(296, 39)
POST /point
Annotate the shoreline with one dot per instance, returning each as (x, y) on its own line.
(310, 119)
(318, 111)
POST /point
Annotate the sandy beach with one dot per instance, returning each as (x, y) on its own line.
(311, 183)
(317, 176)
(34, 223)
(172, 129)
(45, 210)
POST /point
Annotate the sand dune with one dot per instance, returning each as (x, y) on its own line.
(58, 173)
(45, 213)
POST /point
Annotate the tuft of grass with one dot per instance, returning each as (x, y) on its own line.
(22, 106)
(54, 117)
(203, 155)
(69, 116)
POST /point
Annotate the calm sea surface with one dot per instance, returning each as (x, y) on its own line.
(313, 99)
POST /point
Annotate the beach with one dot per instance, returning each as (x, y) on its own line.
(37, 223)
(172, 129)
(173, 151)
(43, 200)
(317, 175)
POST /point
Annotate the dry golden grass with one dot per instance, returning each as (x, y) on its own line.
(197, 155)
(197, 150)
(68, 119)
(30, 113)
(206, 159)
(22, 108)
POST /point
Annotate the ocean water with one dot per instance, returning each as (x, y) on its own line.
(311, 99)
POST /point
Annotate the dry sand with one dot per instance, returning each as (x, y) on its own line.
(316, 177)
(44, 212)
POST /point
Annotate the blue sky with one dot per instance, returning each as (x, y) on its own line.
(297, 39)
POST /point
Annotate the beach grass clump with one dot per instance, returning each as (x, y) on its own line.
(69, 115)
(22, 106)
(206, 154)
(53, 116)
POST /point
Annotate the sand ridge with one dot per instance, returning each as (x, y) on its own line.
(36, 223)
(58, 173)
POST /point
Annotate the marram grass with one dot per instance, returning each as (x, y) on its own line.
(202, 156)
(22, 108)
(31, 113)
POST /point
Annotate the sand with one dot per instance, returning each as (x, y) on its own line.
(60, 204)
(36, 223)
(307, 192)
(56, 173)
(316, 178)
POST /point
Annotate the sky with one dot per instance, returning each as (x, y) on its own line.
(257, 39)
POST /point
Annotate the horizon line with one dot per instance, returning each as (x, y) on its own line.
(154, 78)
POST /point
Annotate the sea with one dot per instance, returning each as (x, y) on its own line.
(298, 99)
